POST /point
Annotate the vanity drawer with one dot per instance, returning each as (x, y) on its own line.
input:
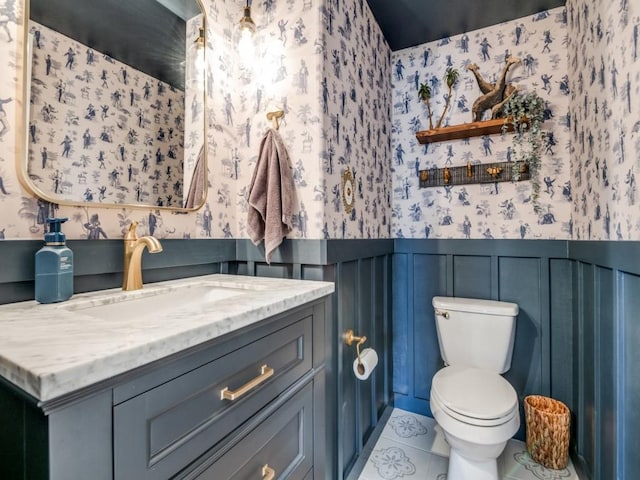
(281, 446)
(160, 431)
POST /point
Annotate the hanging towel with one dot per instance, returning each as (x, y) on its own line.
(271, 195)
(197, 189)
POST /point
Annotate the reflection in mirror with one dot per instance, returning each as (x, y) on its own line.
(117, 103)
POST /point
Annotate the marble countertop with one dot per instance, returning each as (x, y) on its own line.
(52, 350)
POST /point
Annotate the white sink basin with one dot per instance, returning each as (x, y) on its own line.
(151, 302)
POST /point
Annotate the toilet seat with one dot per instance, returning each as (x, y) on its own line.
(474, 396)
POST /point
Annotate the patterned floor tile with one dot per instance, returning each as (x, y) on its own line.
(391, 460)
(410, 429)
(403, 452)
(515, 463)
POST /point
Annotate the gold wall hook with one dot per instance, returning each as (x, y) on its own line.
(275, 116)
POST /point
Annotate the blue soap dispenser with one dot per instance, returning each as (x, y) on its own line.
(54, 266)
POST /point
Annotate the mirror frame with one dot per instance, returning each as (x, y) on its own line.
(22, 145)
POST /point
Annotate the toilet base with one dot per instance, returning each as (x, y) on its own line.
(461, 468)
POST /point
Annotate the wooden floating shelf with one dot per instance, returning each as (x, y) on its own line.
(474, 173)
(465, 130)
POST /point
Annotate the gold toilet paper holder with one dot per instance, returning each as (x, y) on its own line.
(349, 339)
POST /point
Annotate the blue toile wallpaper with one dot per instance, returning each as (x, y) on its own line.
(501, 210)
(356, 102)
(99, 130)
(604, 75)
(352, 104)
(291, 64)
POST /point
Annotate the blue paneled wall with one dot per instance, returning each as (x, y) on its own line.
(577, 337)
(577, 333)
(514, 271)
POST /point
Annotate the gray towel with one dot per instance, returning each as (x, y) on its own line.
(197, 190)
(271, 195)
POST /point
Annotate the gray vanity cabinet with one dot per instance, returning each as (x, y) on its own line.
(168, 420)
(281, 446)
(160, 431)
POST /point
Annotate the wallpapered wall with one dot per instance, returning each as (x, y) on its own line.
(604, 74)
(292, 56)
(327, 66)
(503, 210)
(356, 102)
(295, 50)
(99, 130)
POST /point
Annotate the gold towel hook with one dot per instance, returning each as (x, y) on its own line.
(275, 116)
(349, 338)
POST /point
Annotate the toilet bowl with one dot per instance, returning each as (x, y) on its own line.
(478, 413)
(476, 408)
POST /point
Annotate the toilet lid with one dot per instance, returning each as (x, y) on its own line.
(474, 392)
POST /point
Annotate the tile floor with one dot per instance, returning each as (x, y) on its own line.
(410, 448)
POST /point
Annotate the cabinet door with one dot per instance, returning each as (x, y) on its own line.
(160, 432)
(281, 447)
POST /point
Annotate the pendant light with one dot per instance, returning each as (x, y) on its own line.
(246, 28)
(247, 25)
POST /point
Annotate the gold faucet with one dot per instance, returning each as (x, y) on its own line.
(133, 247)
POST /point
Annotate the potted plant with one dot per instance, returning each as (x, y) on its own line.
(525, 112)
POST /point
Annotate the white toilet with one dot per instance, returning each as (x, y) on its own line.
(476, 408)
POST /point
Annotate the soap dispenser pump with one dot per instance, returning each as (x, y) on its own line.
(54, 266)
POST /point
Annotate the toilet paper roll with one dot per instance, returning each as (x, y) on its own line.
(369, 359)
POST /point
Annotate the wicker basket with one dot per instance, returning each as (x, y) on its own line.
(547, 431)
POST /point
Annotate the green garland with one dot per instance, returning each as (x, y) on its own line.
(526, 113)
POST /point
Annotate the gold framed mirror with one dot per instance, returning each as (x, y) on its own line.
(116, 97)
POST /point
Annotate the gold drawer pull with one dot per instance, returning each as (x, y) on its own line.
(265, 372)
(268, 473)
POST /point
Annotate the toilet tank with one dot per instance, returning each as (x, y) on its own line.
(476, 333)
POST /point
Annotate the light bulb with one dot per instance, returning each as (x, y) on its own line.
(245, 45)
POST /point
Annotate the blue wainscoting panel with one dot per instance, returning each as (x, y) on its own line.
(606, 359)
(629, 381)
(561, 302)
(380, 337)
(348, 409)
(98, 263)
(519, 282)
(361, 270)
(365, 327)
(402, 347)
(605, 382)
(429, 280)
(511, 271)
(472, 276)
(586, 427)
